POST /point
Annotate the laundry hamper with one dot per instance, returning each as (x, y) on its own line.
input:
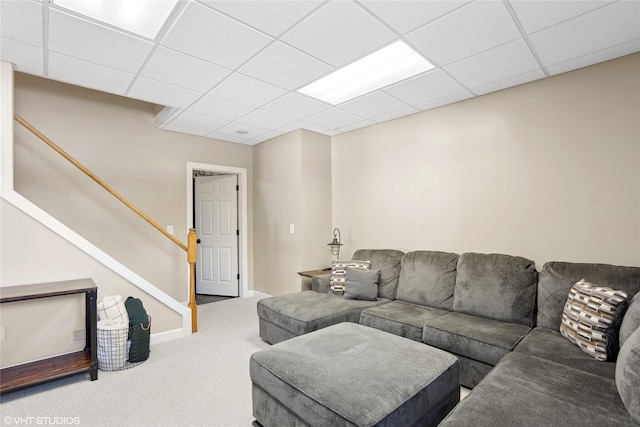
(112, 344)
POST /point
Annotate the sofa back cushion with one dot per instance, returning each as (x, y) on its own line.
(557, 278)
(496, 286)
(428, 278)
(631, 320)
(388, 262)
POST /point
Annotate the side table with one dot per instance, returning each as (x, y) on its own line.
(20, 376)
(310, 274)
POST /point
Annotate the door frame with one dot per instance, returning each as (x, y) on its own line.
(243, 221)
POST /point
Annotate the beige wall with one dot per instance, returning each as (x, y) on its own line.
(292, 186)
(31, 253)
(315, 200)
(117, 139)
(548, 170)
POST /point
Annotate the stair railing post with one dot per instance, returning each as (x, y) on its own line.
(192, 242)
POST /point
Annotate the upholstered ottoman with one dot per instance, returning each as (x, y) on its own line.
(353, 375)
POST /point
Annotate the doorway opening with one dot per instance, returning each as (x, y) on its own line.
(218, 195)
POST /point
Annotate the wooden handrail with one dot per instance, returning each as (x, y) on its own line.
(100, 182)
(191, 249)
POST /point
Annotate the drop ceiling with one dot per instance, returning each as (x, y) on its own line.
(229, 70)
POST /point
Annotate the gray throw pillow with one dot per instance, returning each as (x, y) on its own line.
(631, 320)
(361, 284)
(628, 375)
(338, 268)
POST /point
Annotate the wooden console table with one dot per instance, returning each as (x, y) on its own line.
(20, 376)
(312, 273)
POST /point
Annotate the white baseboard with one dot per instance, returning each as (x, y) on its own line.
(173, 334)
(253, 293)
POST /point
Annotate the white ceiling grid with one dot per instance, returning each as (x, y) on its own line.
(230, 69)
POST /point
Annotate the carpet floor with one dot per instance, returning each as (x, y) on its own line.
(200, 380)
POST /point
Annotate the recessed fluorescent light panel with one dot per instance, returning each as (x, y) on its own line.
(143, 17)
(384, 67)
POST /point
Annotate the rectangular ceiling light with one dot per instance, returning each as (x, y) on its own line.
(143, 17)
(381, 68)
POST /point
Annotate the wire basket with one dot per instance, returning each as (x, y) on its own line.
(112, 344)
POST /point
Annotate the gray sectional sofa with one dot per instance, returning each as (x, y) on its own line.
(498, 316)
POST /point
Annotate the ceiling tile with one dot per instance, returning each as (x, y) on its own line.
(338, 33)
(26, 58)
(162, 93)
(445, 100)
(267, 136)
(333, 119)
(535, 15)
(285, 66)
(209, 35)
(404, 16)
(227, 138)
(21, 21)
(508, 60)
(272, 17)
(509, 82)
(91, 42)
(426, 87)
(265, 120)
(304, 125)
(87, 74)
(354, 126)
(396, 114)
(373, 105)
(603, 28)
(596, 57)
(198, 121)
(182, 70)
(220, 108)
(232, 130)
(182, 129)
(296, 106)
(247, 90)
(234, 65)
(467, 31)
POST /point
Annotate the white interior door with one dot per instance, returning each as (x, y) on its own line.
(216, 201)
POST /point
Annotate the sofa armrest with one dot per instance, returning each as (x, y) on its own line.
(320, 283)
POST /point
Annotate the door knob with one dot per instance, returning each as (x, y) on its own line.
(198, 241)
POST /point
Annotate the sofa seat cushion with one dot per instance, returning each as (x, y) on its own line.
(524, 390)
(551, 345)
(303, 312)
(474, 337)
(399, 318)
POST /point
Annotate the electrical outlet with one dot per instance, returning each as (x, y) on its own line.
(2, 332)
(170, 229)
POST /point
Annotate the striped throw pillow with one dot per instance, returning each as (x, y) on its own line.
(337, 281)
(591, 319)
